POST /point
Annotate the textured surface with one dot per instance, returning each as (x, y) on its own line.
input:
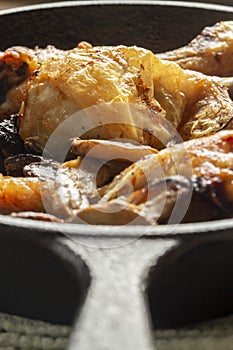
(25, 334)
(118, 24)
(48, 278)
(153, 26)
(212, 335)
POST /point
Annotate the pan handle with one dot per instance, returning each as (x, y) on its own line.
(115, 314)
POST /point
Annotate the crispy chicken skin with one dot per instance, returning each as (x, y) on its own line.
(172, 186)
(211, 52)
(20, 194)
(198, 171)
(208, 157)
(130, 111)
(115, 80)
(17, 65)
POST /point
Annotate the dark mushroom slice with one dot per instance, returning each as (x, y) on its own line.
(2, 166)
(14, 165)
(116, 166)
(212, 199)
(10, 141)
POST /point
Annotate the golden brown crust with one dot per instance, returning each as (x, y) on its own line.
(127, 87)
(20, 194)
(211, 52)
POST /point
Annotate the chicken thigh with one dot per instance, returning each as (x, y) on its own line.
(211, 52)
(120, 93)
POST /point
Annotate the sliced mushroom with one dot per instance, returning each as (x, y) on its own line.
(14, 165)
(10, 142)
(74, 186)
(44, 170)
(145, 206)
(108, 150)
(115, 212)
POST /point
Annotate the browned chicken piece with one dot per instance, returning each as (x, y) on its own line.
(84, 45)
(69, 191)
(170, 187)
(228, 82)
(116, 167)
(142, 208)
(115, 212)
(20, 194)
(211, 52)
(178, 199)
(17, 64)
(207, 156)
(61, 189)
(73, 187)
(156, 189)
(118, 93)
(37, 216)
(121, 93)
(206, 162)
(109, 150)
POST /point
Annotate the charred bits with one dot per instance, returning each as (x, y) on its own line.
(14, 165)
(213, 191)
(10, 141)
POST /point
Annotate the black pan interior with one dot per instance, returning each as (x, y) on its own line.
(40, 279)
(155, 26)
(192, 283)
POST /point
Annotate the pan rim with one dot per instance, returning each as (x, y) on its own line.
(86, 231)
(77, 3)
(73, 230)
